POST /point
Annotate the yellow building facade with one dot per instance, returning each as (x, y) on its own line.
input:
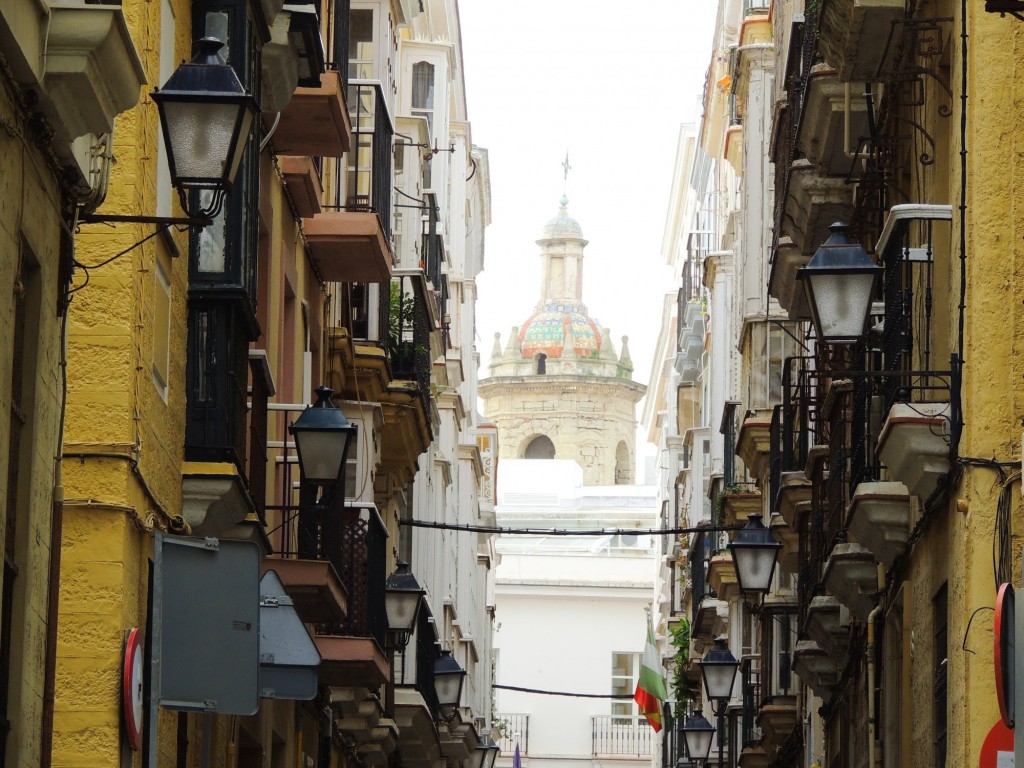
(885, 461)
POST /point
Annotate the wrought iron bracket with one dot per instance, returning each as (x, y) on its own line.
(1013, 7)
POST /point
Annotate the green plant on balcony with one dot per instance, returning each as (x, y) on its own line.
(403, 353)
(683, 688)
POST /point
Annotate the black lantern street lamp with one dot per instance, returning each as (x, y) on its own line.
(486, 753)
(840, 282)
(403, 596)
(697, 733)
(207, 117)
(718, 668)
(448, 680)
(754, 552)
(322, 437)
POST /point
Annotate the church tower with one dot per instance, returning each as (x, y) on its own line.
(558, 389)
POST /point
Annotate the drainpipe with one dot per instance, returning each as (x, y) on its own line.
(56, 539)
(871, 654)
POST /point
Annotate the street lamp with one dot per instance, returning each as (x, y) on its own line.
(403, 596)
(486, 753)
(206, 117)
(840, 281)
(322, 437)
(697, 733)
(448, 680)
(754, 551)
(718, 668)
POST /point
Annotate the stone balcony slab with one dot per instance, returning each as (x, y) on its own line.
(880, 518)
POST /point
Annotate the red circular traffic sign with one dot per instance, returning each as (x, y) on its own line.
(999, 740)
(131, 688)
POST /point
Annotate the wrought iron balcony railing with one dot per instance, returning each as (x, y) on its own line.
(623, 735)
(351, 537)
(515, 731)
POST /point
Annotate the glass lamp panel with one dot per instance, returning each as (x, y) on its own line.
(200, 136)
(401, 609)
(842, 302)
(698, 742)
(320, 454)
(754, 567)
(718, 679)
(448, 687)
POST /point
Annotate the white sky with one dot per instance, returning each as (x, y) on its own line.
(610, 82)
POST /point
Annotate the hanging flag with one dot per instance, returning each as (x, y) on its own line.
(516, 761)
(650, 688)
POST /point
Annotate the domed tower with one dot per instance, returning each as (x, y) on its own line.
(558, 389)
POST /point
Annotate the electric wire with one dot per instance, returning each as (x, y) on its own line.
(510, 531)
(543, 692)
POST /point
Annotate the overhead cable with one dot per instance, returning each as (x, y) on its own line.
(508, 531)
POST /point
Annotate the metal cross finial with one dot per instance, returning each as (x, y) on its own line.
(566, 168)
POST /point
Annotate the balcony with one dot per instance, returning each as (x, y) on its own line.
(915, 445)
(349, 246)
(302, 180)
(850, 574)
(316, 590)
(832, 121)
(92, 70)
(816, 667)
(880, 518)
(753, 443)
(316, 121)
(292, 57)
(783, 285)
(739, 504)
(851, 35)
(214, 497)
(353, 540)
(794, 499)
(827, 623)
(360, 716)
(789, 538)
(812, 204)
(722, 576)
(776, 717)
(619, 736)
(711, 617)
(416, 707)
(515, 732)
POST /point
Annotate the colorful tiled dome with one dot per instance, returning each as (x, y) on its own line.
(546, 329)
(563, 225)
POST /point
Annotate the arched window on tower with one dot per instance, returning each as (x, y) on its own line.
(542, 363)
(540, 447)
(623, 465)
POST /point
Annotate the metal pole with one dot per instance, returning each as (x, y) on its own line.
(1018, 678)
(721, 734)
(154, 645)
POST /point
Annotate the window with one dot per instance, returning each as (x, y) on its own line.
(623, 465)
(360, 44)
(161, 326)
(625, 668)
(27, 298)
(940, 622)
(167, 65)
(423, 105)
(542, 364)
(540, 447)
